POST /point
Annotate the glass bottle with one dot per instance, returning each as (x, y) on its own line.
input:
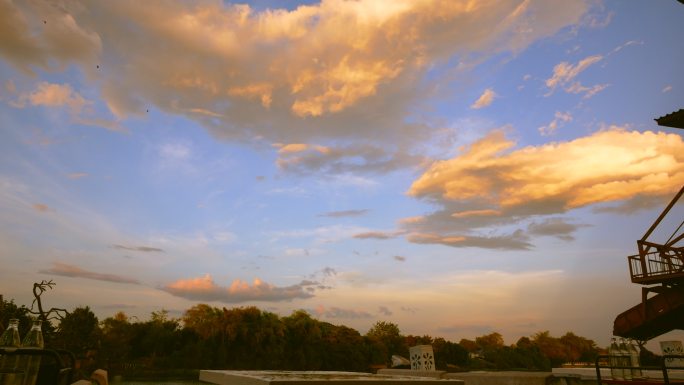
(8, 363)
(614, 360)
(634, 358)
(32, 340)
(625, 360)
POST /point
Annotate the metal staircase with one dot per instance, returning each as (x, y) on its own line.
(660, 268)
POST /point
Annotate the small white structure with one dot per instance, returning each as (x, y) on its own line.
(422, 357)
(673, 348)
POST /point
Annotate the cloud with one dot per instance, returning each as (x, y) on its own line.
(506, 186)
(399, 258)
(560, 118)
(55, 95)
(325, 234)
(341, 73)
(345, 213)
(667, 88)
(336, 312)
(175, 151)
(485, 99)
(40, 207)
(205, 289)
(578, 88)
(302, 158)
(77, 175)
(633, 205)
(384, 311)
(145, 249)
(28, 42)
(555, 227)
(375, 235)
(67, 270)
(564, 75)
(515, 241)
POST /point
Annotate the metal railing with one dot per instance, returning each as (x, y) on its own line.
(655, 264)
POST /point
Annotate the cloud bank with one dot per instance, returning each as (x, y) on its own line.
(312, 78)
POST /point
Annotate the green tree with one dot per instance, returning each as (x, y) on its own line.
(79, 332)
(11, 310)
(386, 338)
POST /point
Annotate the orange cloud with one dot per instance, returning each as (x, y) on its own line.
(471, 213)
(43, 208)
(205, 289)
(606, 166)
(275, 74)
(57, 95)
(490, 185)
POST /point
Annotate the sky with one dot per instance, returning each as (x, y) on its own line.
(455, 167)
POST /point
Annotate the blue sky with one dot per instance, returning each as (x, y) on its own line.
(454, 167)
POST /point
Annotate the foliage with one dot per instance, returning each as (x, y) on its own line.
(207, 337)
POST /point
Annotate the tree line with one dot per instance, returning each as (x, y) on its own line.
(207, 337)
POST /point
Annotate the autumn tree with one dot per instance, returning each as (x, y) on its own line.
(490, 341)
(551, 347)
(578, 348)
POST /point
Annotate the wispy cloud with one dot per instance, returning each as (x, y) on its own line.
(340, 313)
(556, 227)
(77, 175)
(667, 88)
(146, 249)
(560, 118)
(376, 235)
(564, 75)
(41, 207)
(67, 270)
(485, 99)
(399, 258)
(345, 213)
(205, 289)
(55, 95)
(385, 311)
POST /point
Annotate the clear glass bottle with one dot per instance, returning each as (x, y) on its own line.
(8, 363)
(625, 360)
(32, 340)
(634, 358)
(614, 358)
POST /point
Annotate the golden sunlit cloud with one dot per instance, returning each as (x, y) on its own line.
(606, 166)
(321, 70)
(77, 175)
(472, 213)
(485, 99)
(630, 168)
(205, 289)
